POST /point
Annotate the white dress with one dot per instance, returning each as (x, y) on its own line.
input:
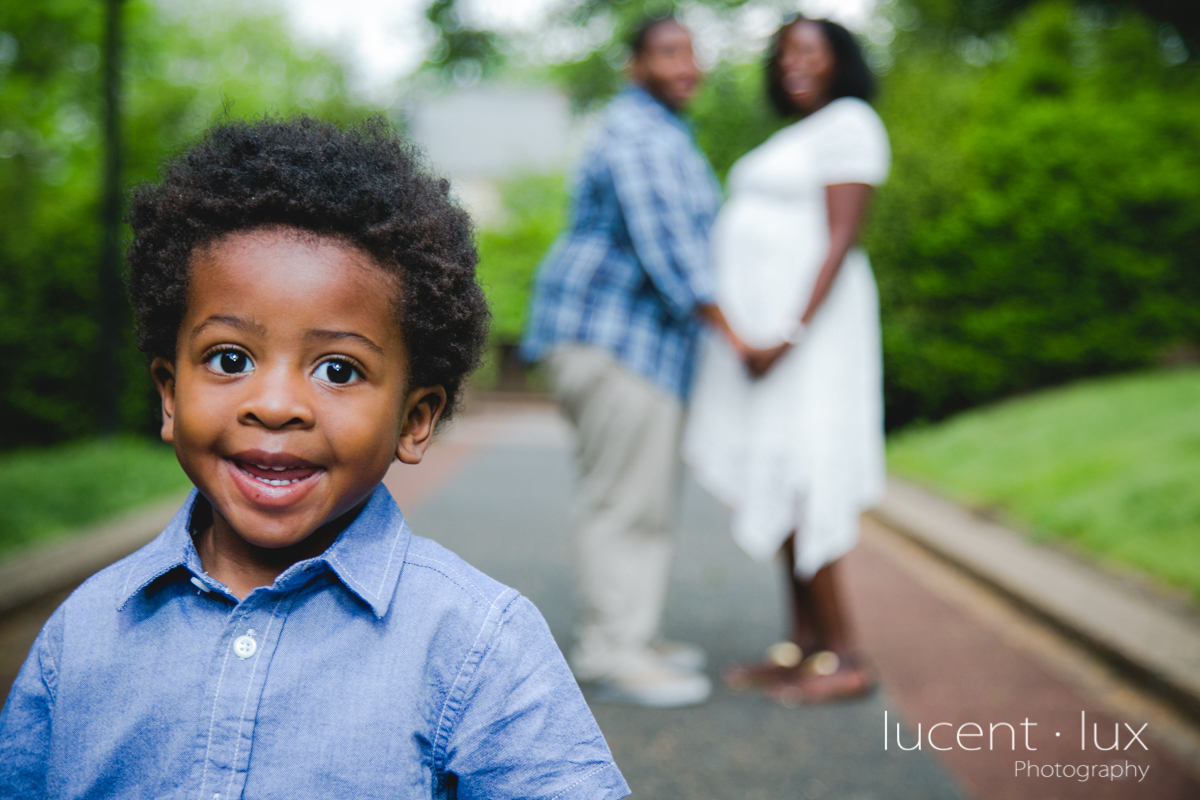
(802, 448)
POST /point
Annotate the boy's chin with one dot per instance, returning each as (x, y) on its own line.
(274, 532)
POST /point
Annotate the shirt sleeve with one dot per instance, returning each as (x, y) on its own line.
(855, 146)
(25, 721)
(651, 183)
(524, 729)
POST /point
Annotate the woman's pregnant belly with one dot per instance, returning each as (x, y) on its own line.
(767, 256)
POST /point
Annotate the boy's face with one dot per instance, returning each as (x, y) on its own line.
(287, 400)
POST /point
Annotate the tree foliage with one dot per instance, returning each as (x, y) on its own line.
(461, 50)
(1040, 224)
(183, 67)
(536, 210)
(988, 16)
(1043, 215)
(731, 114)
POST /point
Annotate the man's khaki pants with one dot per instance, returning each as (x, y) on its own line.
(628, 433)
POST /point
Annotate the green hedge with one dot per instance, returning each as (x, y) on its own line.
(1042, 220)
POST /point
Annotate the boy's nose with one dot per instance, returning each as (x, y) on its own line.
(278, 399)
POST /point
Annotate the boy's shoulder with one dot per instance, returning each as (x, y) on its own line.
(438, 576)
(108, 589)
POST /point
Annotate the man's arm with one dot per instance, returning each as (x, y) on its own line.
(674, 253)
(670, 247)
(712, 314)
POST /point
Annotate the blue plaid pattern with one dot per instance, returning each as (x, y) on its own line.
(629, 271)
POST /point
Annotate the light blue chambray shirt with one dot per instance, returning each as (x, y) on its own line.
(632, 267)
(386, 667)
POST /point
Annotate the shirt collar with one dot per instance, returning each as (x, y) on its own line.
(367, 557)
(656, 107)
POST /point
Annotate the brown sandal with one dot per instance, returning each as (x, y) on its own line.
(824, 676)
(781, 665)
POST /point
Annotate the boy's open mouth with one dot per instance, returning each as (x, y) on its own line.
(273, 481)
(282, 475)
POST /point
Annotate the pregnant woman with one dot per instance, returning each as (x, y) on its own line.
(791, 438)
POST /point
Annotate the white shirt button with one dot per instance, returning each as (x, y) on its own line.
(244, 646)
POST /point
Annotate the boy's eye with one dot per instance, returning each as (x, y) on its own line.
(337, 372)
(230, 362)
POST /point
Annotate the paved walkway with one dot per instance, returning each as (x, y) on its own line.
(496, 489)
(504, 506)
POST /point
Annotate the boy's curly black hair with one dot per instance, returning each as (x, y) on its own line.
(360, 184)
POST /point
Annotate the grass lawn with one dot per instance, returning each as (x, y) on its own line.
(47, 492)
(1112, 466)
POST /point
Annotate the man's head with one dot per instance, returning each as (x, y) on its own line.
(662, 62)
(308, 295)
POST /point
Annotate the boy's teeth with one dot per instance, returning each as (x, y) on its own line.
(273, 482)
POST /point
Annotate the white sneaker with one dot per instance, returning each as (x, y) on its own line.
(654, 684)
(680, 655)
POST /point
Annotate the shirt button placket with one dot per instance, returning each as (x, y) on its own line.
(235, 691)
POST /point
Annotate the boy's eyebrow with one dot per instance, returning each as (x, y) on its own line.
(245, 325)
(327, 335)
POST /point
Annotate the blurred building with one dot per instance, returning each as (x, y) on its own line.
(484, 134)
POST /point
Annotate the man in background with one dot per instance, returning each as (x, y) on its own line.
(616, 314)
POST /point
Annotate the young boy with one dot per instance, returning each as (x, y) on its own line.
(308, 298)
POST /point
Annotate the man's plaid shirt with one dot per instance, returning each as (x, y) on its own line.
(629, 272)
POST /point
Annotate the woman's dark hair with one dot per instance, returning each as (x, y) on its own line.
(361, 185)
(852, 77)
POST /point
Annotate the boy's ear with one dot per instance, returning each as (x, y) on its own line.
(163, 372)
(422, 409)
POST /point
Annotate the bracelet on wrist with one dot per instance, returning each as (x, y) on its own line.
(797, 334)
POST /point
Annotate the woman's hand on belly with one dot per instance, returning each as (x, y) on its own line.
(760, 361)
